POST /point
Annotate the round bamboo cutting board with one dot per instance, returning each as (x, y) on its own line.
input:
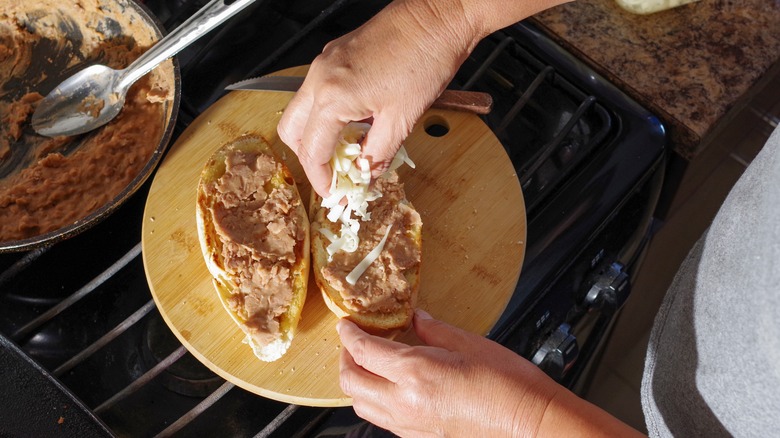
(474, 229)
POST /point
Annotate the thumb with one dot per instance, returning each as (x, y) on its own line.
(383, 140)
(440, 334)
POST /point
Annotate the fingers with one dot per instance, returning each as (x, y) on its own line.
(375, 354)
(354, 378)
(312, 135)
(318, 144)
(371, 394)
(383, 140)
(319, 111)
(440, 334)
(294, 118)
(368, 390)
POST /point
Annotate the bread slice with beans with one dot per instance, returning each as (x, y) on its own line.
(366, 241)
(255, 239)
(390, 290)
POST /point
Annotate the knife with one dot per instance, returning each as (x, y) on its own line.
(468, 101)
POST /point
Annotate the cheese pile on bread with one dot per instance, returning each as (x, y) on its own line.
(366, 251)
(254, 234)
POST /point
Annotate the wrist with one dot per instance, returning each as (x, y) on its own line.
(488, 16)
(567, 411)
(469, 21)
(532, 409)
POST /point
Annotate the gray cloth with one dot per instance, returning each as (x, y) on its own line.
(713, 362)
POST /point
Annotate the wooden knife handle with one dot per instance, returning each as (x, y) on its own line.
(468, 101)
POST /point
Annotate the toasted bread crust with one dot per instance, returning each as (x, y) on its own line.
(380, 323)
(211, 247)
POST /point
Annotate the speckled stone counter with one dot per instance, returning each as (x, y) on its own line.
(690, 65)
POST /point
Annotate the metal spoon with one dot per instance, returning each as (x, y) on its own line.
(93, 96)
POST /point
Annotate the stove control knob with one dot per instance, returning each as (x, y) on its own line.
(558, 352)
(610, 290)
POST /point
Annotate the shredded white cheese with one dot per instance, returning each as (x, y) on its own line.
(351, 180)
(361, 267)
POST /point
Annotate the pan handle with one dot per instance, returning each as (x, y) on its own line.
(201, 22)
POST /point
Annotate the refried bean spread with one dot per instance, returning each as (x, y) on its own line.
(50, 183)
(259, 232)
(383, 287)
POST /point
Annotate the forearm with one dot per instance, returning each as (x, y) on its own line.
(474, 19)
(457, 26)
(578, 417)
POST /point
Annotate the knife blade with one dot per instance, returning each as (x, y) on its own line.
(469, 101)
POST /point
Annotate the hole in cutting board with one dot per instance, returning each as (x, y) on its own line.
(436, 126)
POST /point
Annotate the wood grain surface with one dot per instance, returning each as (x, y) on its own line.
(474, 229)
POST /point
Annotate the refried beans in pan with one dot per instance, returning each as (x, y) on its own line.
(50, 184)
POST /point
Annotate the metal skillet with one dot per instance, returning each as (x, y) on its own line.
(48, 41)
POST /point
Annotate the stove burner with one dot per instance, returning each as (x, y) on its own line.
(186, 376)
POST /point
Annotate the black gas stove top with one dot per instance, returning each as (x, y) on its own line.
(586, 155)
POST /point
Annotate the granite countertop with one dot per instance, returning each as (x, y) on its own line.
(693, 65)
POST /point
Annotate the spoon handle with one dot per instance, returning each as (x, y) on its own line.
(207, 18)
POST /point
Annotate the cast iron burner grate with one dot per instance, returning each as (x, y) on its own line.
(547, 125)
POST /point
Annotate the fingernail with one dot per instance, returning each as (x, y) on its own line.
(422, 314)
(338, 326)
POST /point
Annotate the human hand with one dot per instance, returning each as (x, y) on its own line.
(390, 70)
(459, 384)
